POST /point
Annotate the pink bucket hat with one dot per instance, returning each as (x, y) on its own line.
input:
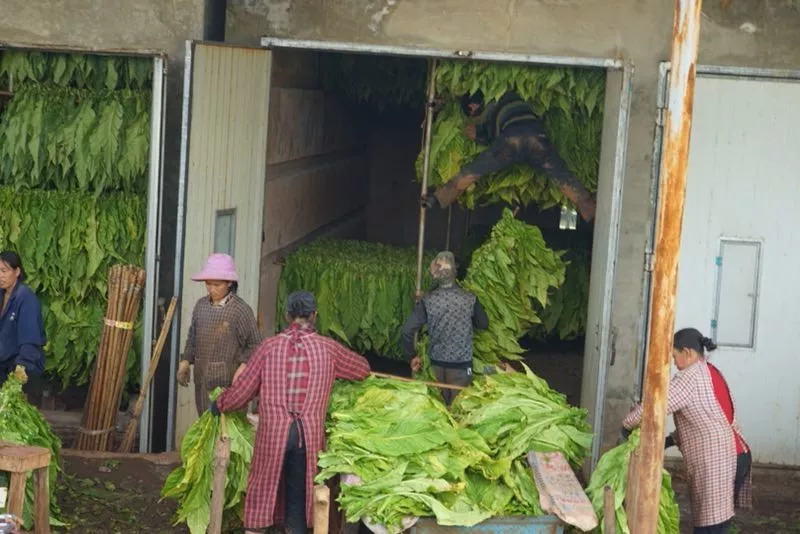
(218, 267)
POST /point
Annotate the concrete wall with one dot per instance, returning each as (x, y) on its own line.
(756, 33)
(317, 169)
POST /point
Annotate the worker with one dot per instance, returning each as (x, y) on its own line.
(451, 313)
(514, 135)
(716, 456)
(21, 326)
(223, 332)
(293, 374)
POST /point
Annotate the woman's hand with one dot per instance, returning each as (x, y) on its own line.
(416, 364)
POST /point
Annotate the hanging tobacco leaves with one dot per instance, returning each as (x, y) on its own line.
(22, 423)
(75, 139)
(570, 103)
(75, 70)
(507, 273)
(67, 242)
(375, 80)
(564, 316)
(364, 291)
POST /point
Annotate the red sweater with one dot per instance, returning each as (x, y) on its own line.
(723, 395)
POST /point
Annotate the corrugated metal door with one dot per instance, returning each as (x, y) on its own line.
(225, 174)
(739, 257)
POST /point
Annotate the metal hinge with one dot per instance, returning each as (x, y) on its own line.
(648, 262)
(661, 116)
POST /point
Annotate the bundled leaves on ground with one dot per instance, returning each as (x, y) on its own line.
(569, 101)
(75, 139)
(190, 484)
(511, 269)
(375, 80)
(518, 412)
(410, 456)
(612, 471)
(565, 314)
(67, 242)
(22, 423)
(364, 290)
(75, 70)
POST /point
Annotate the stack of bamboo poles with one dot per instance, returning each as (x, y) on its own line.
(125, 283)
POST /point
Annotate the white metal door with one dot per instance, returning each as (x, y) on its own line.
(224, 165)
(739, 257)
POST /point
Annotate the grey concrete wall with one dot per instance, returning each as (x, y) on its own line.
(754, 33)
(317, 169)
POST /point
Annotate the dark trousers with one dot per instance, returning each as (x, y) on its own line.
(743, 463)
(294, 473)
(721, 528)
(454, 377)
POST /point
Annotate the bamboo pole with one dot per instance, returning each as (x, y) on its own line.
(643, 511)
(222, 454)
(130, 431)
(439, 385)
(425, 168)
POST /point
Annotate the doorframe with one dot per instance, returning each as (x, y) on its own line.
(604, 334)
(722, 71)
(154, 195)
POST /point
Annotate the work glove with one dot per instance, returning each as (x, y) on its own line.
(20, 374)
(429, 200)
(183, 373)
(213, 408)
(669, 441)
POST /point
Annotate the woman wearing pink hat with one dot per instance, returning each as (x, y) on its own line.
(223, 332)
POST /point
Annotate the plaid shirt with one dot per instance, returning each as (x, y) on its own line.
(297, 369)
(706, 441)
(266, 376)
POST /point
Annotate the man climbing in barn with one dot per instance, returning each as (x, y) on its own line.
(292, 373)
(451, 313)
(513, 135)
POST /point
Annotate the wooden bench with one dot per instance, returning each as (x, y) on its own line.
(19, 460)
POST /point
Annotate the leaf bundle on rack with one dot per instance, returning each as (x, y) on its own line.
(364, 291)
(567, 306)
(75, 139)
(68, 241)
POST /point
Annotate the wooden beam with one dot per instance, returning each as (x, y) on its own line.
(643, 511)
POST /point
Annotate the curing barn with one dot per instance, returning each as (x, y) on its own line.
(275, 128)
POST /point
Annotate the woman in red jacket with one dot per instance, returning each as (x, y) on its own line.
(716, 456)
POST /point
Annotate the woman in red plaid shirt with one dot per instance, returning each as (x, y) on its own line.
(716, 456)
(292, 374)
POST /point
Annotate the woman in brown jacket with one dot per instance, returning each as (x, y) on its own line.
(223, 332)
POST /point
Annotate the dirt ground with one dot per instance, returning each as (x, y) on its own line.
(776, 502)
(113, 495)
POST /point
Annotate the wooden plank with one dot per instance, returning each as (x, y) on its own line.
(609, 511)
(22, 458)
(42, 518)
(321, 507)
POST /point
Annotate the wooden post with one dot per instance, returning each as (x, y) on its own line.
(609, 511)
(643, 512)
(41, 520)
(321, 507)
(222, 455)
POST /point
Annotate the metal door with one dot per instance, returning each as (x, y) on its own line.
(736, 280)
(223, 172)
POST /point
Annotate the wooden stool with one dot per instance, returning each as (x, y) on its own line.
(19, 460)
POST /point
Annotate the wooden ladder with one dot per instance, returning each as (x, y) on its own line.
(19, 460)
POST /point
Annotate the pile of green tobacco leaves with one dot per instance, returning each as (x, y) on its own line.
(190, 484)
(364, 291)
(416, 459)
(22, 423)
(570, 103)
(612, 470)
(510, 271)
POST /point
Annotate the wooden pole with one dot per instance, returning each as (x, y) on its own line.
(222, 455)
(426, 147)
(643, 512)
(609, 511)
(439, 385)
(322, 508)
(130, 431)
